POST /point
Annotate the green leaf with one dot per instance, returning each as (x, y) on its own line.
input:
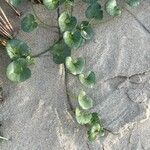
(94, 12)
(89, 1)
(60, 51)
(16, 3)
(95, 119)
(17, 71)
(67, 22)
(112, 9)
(133, 3)
(29, 23)
(95, 131)
(16, 49)
(84, 101)
(88, 80)
(82, 117)
(73, 39)
(86, 30)
(52, 4)
(75, 66)
(70, 2)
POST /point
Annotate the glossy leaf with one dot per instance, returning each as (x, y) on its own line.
(86, 30)
(17, 71)
(85, 102)
(15, 3)
(82, 117)
(88, 80)
(67, 22)
(95, 131)
(29, 23)
(17, 49)
(60, 51)
(73, 39)
(133, 3)
(52, 4)
(112, 9)
(75, 66)
(94, 12)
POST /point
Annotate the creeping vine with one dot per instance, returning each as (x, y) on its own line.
(71, 35)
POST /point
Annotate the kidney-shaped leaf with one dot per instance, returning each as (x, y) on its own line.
(82, 117)
(75, 66)
(29, 23)
(17, 49)
(67, 22)
(17, 71)
(88, 80)
(133, 3)
(85, 102)
(112, 9)
(94, 11)
(73, 39)
(52, 4)
(60, 51)
(95, 131)
(86, 30)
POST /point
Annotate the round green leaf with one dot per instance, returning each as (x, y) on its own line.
(52, 4)
(112, 9)
(86, 30)
(67, 22)
(82, 117)
(16, 49)
(60, 51)
(29, 23)
(95, 131)
(94, 12)
(75, 66)
(73, 39)
(133, 3)
(89, 1)
(17, 71)
(84, 101)
(88, 80)
(15, 3)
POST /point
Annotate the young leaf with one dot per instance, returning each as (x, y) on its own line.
(112, 9)
(73, 39)
(60, 51)
(17, 71)
(29, 23)
(86, 30)
(52, 4)
(16, 49)
(94, 131)
(94, 11)
(15, 3)
(133, 3)
(67, 22)
(75, 66)
(88, 80)
(82, 117)
(84, 101)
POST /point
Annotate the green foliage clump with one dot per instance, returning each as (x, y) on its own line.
(72, 35)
